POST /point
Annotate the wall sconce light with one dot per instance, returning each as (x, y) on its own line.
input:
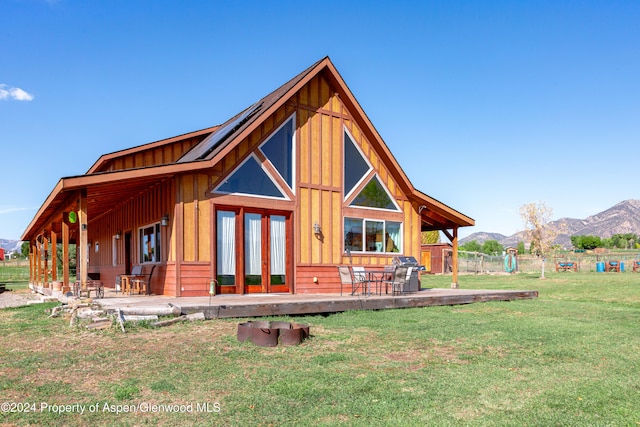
(84, 227)
(317, 230)
(97, 247)
(118, 235)
(164, 221)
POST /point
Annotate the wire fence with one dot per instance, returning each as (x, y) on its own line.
(479, 263)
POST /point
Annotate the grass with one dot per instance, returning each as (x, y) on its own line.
(569, 358)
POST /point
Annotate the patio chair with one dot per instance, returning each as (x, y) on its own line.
(360, 276)
(142, 281)
(397, 280)
(346, 278)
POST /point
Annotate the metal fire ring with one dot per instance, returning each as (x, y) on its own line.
(268, 334)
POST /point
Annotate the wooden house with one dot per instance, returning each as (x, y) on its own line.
(271, 200)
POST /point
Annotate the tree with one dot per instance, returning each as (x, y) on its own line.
(492, 247)
(521, 249)
(536, 217)
(26, 246)
(472, 246)
(586, 242)
(430, 237)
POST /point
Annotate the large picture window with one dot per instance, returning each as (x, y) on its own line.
(150, 243)
(369, 235)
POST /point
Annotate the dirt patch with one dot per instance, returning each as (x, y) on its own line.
(16, 298)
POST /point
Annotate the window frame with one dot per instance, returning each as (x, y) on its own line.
(363, 239)
(254, 157)
(366, 160)
(157, 253)
(292, 121)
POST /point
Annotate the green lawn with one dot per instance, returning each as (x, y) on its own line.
(569, 358)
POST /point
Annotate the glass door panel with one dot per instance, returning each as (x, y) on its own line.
(278, 254)
(253, 252)
(226, 251)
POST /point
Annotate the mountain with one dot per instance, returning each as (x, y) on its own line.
(10, 245)
(621, 218)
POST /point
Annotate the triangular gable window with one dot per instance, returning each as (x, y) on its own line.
(355, 165)
(250, 179)
(278, 148)
(374, 195)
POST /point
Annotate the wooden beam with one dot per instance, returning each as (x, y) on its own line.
(454, 281)
(45, 252)
(83, 245)
(65, 252)
(54, 256)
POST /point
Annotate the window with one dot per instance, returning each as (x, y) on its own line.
(374, 195)
(278, 148)
(250, 179)
(150, 243)
(368, 235)
(226, 248)
(355, 165)
(114, 249)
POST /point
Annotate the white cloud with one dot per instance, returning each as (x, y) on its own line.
(15, 93)
(9, 209)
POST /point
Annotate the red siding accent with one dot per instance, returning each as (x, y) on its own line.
(328, 279)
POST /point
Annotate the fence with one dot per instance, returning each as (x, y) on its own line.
(478, 263)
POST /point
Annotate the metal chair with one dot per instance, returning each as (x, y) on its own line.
(397, 280)
(360, 276)
(346, 278)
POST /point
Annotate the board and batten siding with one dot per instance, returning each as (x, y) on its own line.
(140, 210)
(321, 120)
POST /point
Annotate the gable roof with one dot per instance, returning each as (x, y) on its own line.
(222, 139)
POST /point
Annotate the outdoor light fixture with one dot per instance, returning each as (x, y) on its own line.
(317, 231)
(118, 235)
(165, 220)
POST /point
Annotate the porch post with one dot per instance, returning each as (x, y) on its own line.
(54, 256)
(36, 263)
(83, 250)
(65, 253)
(32, 265)
(454, 280)
(45, 253)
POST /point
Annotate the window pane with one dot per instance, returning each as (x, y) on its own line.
(373, 195)
(355, 166)
(352, 234)
(149, 244)
(393, 242)
(250, 178)
(374, 242)
(226, 248)
(253, 249)
(279, 150)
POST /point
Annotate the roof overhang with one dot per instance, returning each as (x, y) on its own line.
(103, 192)
(435, 215)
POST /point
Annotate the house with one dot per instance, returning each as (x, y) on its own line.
(271, 200)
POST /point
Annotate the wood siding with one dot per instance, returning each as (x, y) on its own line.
(189, 241)
(141, 210)
(155, 156)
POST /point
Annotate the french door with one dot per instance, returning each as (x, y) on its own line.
(253, 252)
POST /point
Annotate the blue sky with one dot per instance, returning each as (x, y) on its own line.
(486, 105)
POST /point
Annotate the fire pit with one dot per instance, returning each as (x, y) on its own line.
(267, 334)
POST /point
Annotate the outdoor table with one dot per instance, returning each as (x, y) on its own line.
(376, 277)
